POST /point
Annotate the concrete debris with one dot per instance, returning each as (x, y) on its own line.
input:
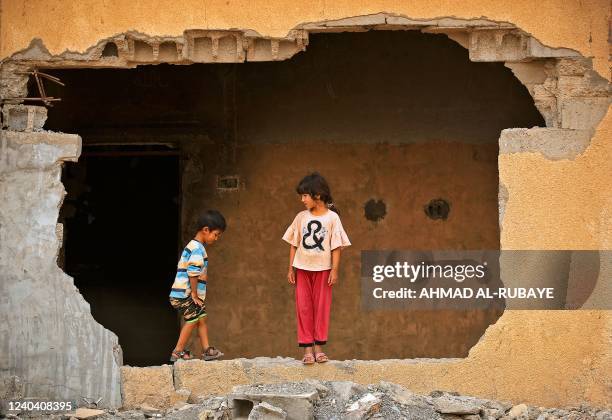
(23, 117)
(314, 399)
(447, 405)
(265, 411)
(344, 390)
(518, 411)
(364, 407)
(152, 387)
(88, 413)
(295, 398)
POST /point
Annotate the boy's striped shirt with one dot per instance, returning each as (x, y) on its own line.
(193, 262)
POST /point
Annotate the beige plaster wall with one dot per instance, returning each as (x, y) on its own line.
(552, 358)
(77, 25)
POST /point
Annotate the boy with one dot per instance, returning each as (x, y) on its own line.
(189, 287)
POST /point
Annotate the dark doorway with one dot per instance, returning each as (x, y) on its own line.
(121, 227)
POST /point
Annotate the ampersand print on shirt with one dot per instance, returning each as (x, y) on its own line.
(317, 235)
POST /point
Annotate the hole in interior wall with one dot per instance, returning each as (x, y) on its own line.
(110, 50)
(512, 42)
(228, 183)
(120, 222)
(142, 51)
(202, 49)
(375, 210)
(227, 47)
(167, 51)
(403, 100)
(242, 408)
(437, 208)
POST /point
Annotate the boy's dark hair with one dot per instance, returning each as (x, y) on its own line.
(314, 184)
(213, 220)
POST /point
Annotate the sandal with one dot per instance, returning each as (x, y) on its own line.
(180, 355)
(321, 357)
(308, 359)
(211, 353)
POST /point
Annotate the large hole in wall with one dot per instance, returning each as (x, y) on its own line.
(398, 117)
(121, 228)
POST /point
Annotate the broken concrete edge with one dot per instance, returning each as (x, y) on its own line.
(502, 197)
(30, 168)
(23, 117)
(552, 143)
(23, 151)
(246, 46)
(165, 386)
(281, 384)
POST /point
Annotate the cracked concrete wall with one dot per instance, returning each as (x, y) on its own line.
(577, 25)
(551, 204)
(371, 138)
(48, 337)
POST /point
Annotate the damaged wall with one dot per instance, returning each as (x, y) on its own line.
(539, 347)
(44, 320)
(430, 134)
(578, 25)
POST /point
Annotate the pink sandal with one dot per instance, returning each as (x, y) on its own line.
(308, 359)
(321, 357)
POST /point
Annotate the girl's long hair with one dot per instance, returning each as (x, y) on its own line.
(314, 184)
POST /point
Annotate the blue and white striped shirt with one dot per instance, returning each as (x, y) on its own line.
(193, 262)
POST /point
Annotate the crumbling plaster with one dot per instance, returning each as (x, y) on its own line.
(49, 338)
(563, 203)
(577, 25)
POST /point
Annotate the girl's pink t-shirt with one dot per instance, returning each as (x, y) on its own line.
(315, 238)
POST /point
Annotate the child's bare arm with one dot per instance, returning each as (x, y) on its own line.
(291, 274)
(333, 275)
(193, 282)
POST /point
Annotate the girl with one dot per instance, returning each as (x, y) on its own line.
(316, 237)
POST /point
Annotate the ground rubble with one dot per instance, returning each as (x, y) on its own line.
(313, 399)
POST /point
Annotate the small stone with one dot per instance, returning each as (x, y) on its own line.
(492, 413)
(401, 395)
(364, 407)
(150, 412)
(265, 411)
(518, 410)
(450, 404)
(321, 389)
(346, 389)
(206, 414)
(87, 413)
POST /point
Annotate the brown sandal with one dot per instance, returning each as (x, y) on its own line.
(321, 357)
(308, 359)
(180, 355)
(211, 353)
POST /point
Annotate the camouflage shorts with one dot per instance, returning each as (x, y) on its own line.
(188, 309)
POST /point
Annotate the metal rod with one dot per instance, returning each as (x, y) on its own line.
(132, 154)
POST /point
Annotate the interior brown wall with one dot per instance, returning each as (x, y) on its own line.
(249, 300)
(399, 116)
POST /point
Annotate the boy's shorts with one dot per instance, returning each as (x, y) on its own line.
(188, 309)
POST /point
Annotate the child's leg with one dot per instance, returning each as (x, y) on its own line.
(322, 297)
(304, 310)
(184, 335)
(203, 333)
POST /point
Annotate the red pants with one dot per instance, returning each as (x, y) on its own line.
(313, 298)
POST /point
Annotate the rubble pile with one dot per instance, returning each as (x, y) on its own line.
(338, 400)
